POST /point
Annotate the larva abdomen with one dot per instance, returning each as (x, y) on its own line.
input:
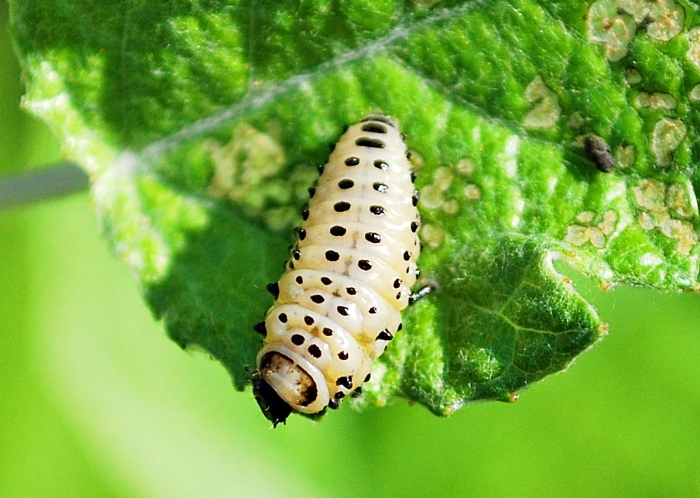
(338, 305)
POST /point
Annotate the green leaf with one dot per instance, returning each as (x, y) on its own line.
(200, 124)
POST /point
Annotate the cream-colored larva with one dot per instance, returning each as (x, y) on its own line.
(338, 304)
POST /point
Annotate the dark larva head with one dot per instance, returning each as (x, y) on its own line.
(280, 384)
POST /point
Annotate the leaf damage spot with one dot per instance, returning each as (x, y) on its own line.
(615, 22)
(666, 138)
(585, 230)
(655, 101)
(693, 53)
(695, 93)
(632, 77)
(545, 110)
(670, 208)
(433, 236)
(245, 172)
(433, 195)
(472, 192)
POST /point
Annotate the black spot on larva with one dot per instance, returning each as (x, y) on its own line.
(599, 152)
(398, 296)
(357, 391)
(417, 272)
(341, 206)
(346, 184)
(305, 214)
(382, 165)
(414, 226)
(415, 197)
(317, 298)
(399, 327)
(312, 192)
(385, 335)
(296, 254)
(352, 161)
(343, 310)
(364, 265)
(380, 187)
(377, 210)
(260, 328)
(406, 256)
(314, 351)
(326, 281)
(308, 320)
(373, 311)
(408, 269)
(298, 339)
(299, 280)
(414, 175)
(290, 265)
(382, 118)
(369, 376)
(301, 233)
(373, 237)
(351, 290)
(338, 231)
(339, 395)
(331, 146)
(320, 168)
(397, 283)
(333, 404)
(409, 155)
(370, 142)
(327, 332)
(343, 355)
(282, 317)
(332, 256)
(374, 128)
(346, 382)
(273, 289)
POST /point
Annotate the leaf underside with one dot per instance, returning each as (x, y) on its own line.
(201, 124)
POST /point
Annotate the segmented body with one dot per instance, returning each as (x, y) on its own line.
(338, 304)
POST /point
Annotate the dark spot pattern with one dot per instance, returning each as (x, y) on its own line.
(352, 161)
(351, 290)
(301, 233)
(260, 328)
(317, 298)
(282, 317)
(369, 376)
(385, 335)
(364, 264)
(338, 231)
(373, 237)
(298, 339)
(343, 310)
(296, 254)
(377, 210)
(374, 128)
(341, 207)
(339, 395)
(346, 184)
(305, 214)
(299, 280)
(343, 355)
(327, 332)
(346, 382)
(326, 281)
(382, 165)
(380, 187)
(308, 320)
(273, 289)
(406, 256)
(372, 143)
(414, 226)
(333, 404)
(314, 351)
(332, 256)
(373, 311)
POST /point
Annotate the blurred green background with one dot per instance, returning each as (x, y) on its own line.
(96, 401)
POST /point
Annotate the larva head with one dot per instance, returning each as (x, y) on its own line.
(281, 386)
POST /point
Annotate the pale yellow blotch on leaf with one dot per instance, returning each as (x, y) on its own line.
(545, 105)
(665, 139)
